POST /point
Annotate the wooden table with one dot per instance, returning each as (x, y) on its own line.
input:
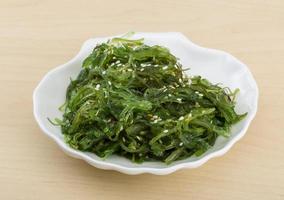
(36, 36)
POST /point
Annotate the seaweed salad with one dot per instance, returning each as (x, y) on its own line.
(135, 100)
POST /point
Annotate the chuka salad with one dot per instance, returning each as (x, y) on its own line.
(134, 100)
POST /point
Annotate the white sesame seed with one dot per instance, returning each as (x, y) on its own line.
(201, 95)
(142, 69)
(166, 131)
(190, 115)
(156, 65)
(179, 80)
(97, 87)
(179, 99)
(118, 61)
(138, 137)
(155, 121)
(165, 67)
(181, 118)
(180, 144)
(119, 64)
(109, 82)
(169, 95)
(123, 139)
(114, 57)
(129, 70)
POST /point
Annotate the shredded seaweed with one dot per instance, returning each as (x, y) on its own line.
(134, 100)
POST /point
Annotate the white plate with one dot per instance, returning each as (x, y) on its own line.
(217, 66)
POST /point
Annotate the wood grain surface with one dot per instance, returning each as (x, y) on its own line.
(36, 36)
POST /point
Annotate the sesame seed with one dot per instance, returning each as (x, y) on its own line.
(123, 139)
(156, 65)
(179, 99)
(190, 115)
(142, 69)
(97, 87)
(179, 80)
(104, 72)
(165, 67)
(181, 118)
(166, 131)
(129, 70)
(180, 144)
(109, 82)
(113, 57)
(155, 121)
(118, 61)
(169, 95)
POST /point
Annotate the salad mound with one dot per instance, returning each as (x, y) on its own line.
(135, 100)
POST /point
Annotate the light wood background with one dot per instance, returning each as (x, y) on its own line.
(36, 36)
